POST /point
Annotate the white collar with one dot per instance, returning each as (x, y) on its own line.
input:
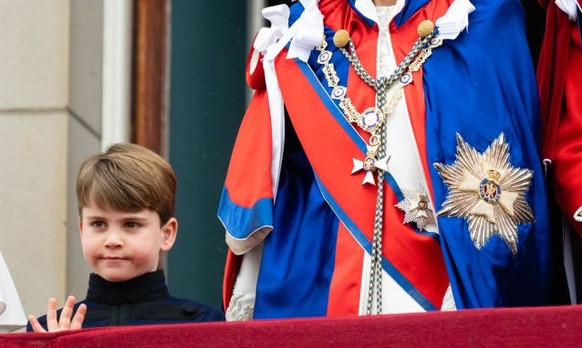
(569, 7)
(368, 9)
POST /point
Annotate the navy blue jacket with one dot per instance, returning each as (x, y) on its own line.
(139, 301)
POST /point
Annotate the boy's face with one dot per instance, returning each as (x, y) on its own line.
(119, 245)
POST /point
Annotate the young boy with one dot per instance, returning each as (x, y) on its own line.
(125, 198)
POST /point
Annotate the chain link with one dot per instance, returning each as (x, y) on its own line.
(420, 51)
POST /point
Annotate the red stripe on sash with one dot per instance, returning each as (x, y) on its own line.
(327, 145)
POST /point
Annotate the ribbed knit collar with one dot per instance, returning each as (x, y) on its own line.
(148, 287)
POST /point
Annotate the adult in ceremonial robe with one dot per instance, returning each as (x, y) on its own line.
(388, 162)
(559, 76)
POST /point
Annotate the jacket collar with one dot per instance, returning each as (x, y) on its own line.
(147, 287)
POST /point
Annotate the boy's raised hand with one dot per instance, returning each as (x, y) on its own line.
(64, 322)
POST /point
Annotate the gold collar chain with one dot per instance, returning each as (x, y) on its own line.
(373, 121)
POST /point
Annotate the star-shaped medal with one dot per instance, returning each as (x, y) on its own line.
(416, 207)
(488, 191)
(369, 165)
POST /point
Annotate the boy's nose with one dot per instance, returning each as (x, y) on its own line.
(113, 239)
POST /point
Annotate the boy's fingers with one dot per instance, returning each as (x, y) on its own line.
(51, 315)
(36, 327)
(64, 322)
(79, 317)
(66, 313)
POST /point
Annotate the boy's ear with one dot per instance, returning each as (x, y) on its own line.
(169, 231)
(80, 224)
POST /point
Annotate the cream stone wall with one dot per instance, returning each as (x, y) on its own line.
(51, 69)
(34, 54)
(34, 63)
(85, 108)
(32, 205)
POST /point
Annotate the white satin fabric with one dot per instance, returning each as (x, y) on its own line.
(11, 312)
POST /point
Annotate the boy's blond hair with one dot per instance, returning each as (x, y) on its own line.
(129, 178)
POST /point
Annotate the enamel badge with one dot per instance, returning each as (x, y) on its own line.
(369, 165)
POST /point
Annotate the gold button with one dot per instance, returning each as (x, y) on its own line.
(425, 28)
(341, 38)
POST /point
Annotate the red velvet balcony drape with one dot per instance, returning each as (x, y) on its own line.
(522, 327)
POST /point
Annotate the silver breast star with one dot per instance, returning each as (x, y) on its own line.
(488, 191)
(416, 207)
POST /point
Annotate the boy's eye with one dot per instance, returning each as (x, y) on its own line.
(132, 224)
(98, 224)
